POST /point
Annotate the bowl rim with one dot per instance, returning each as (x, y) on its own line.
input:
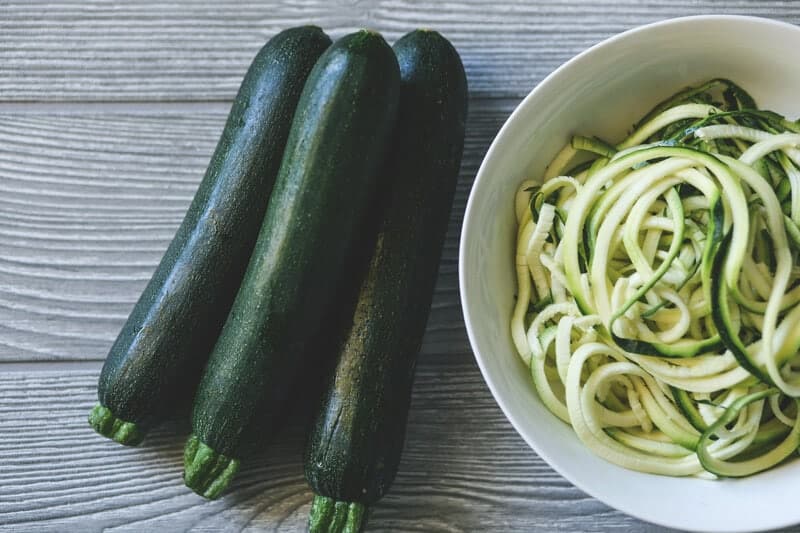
(467, 231)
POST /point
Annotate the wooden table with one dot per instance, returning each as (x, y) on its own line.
(109, 112)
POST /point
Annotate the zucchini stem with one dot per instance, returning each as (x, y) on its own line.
(105, 423)
(206, 471)
(330, 516)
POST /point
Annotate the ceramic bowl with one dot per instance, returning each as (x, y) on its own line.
(602, 92)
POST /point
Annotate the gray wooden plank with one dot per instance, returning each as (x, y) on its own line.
(146, 50)
(464, 469)
(88, 204)
(87, 207)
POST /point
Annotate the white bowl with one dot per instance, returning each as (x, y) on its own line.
(603, 91)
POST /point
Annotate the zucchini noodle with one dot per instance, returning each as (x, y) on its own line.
(658, 303)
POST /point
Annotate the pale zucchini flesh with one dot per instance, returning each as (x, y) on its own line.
(659, 297)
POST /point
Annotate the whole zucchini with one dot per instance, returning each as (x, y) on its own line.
(327, 177)
(155, 364)
(355, 445)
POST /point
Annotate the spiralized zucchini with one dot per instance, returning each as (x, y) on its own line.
(658, 304)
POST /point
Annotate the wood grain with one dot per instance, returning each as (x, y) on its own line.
(89, 203)
(109, 112)
(198, 50)
(87, 207)
(464, 469)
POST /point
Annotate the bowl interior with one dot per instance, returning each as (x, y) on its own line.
(604, 91)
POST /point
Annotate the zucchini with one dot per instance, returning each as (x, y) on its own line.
(687, 407)
(325, 184)
(155, 363)
(356, 442)
(593, 144)
(721, 315)
(751, 465)
(674, 287)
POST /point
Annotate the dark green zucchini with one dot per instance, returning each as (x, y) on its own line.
(155, 364)
(326, 181)
(355, 444)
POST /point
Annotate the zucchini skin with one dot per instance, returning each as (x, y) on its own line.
(356, 442)
(154, 365)
(327, 178)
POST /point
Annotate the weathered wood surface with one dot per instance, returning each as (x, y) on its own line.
(89, 203)
(109, 112)
(464, 469)
(198, 50)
